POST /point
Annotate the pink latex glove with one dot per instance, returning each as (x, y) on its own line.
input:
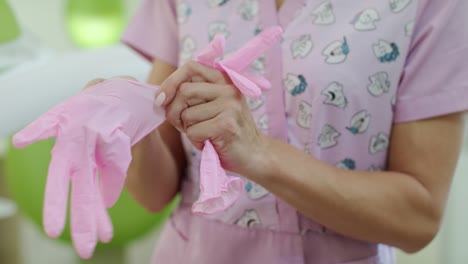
(219, 191)
(94, 133)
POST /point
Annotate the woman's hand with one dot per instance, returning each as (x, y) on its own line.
(203, 103)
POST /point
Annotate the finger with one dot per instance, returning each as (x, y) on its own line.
(82, 214)
(83, 202)
(210, 129)
(245, 56)
(94, 82)
(191, 94)
(113, 158)
(170, 86)
(44, 127)
(214, 50)
(202, 112)
(105, 229)
(196, 79)
(56, 191)
(259, 80)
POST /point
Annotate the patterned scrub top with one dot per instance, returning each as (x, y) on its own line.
(343, 74)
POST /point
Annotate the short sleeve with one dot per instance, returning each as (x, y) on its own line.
(153, 31)
(435, 77)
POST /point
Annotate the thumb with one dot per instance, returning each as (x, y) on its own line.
(42, 128)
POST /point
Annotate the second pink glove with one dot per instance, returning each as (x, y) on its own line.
(219, 191)
(94, 133)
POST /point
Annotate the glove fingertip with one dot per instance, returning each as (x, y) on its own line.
(110, 200)
(84, 247)
(111, 189)
(20, 141)
(106, 236)
(52, 230)
(53, 223)
(86, 253)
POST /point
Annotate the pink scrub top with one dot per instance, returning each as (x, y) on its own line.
(343, 74)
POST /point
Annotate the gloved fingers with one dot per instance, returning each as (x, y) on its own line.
(44, 127)
(113, 159)
(210, 170)
(213, 51)
(241, 59)
(228, 194)
(246, 86)
(56, 192)
(83, 202)
(259, 80)
(104, 223)
(217, 190)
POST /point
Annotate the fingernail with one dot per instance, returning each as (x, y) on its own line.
(160, 99)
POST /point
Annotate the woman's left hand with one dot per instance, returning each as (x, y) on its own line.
(203, 103)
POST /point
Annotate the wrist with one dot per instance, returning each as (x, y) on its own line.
(262, 159)
(147, 143)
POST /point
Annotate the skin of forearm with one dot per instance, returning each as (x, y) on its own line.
(383, 207)
(153, 175)
(158, 160)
